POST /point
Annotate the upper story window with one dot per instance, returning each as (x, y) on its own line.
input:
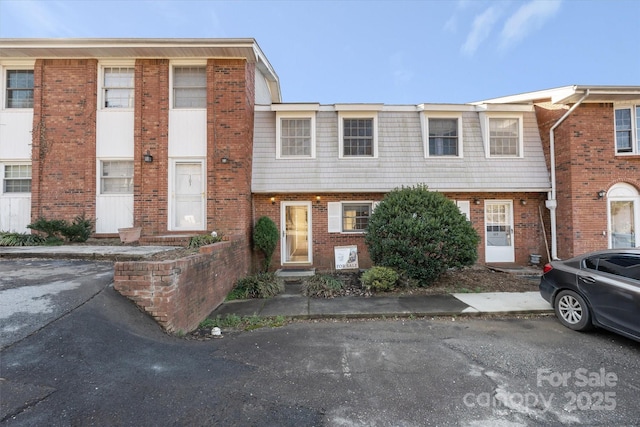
(444, 136)
(17, 179)
(295, 134)
(19, 89)
(118, 87)
(627, 122)
(504, 136)
(189, 87)
(358, 135)
(116, 177)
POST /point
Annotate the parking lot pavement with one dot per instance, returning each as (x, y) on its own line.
(34, 293)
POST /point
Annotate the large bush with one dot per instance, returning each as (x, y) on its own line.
(265, 238)
(420, 233)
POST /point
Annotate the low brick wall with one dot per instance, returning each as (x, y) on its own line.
(180, 293)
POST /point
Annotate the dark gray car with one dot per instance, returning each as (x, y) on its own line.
(596, 289)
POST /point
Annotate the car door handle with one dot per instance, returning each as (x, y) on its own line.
(587, 279)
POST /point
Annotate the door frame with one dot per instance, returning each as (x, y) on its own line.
(283, 227)
(506, 253)
(173, 163)
(623, 192)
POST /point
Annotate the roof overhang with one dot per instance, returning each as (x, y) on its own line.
(247, 49)
(571, 95)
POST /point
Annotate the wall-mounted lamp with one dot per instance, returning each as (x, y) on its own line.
(601, 194)
(148, 158)
(224, 160)
(523, 202)
(273, 200)
(317, 199)
(476, 201)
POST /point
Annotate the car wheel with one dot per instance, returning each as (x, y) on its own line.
(572, 311)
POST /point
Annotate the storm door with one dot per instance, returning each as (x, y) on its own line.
(188, 196)
(624, 214)
(498, 219)
(296, 232)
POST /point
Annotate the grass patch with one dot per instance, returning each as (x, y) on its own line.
(243, 323)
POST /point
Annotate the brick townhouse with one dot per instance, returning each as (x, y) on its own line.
(187, 136)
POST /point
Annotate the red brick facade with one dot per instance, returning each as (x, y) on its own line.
(586, 163)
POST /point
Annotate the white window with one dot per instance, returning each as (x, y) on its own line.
(349, 217)
(295, 135)
(116, 177)
(17, 179)
(118, 87)
(444, 136)
(502, 134)
(189, 87)
(19, 89)
(627, 122)
(358, 135)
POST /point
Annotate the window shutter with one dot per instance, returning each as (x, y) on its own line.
(465, 208)
(374, 205)
(334, 210)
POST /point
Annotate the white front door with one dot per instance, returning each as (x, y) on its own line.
(498, 220)
(296, 232)
(624, 216)
(188, 196)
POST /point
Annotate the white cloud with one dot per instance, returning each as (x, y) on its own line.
(480, 30)
(527, 19)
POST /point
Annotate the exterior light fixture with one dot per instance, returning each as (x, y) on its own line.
(224, 160)
(523, 202)
(476, 201)
(148, 158)
(317, 199)
(601, 194)
(273, 200)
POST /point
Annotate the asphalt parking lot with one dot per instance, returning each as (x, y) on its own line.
(104, 362)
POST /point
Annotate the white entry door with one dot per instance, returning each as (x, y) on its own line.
(296, 232)
(498, 220)
(624, 216)
(188, 196)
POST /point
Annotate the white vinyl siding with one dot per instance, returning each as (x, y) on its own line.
(627, 125)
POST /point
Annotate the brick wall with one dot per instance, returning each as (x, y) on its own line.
(585, 164)
(64, 139)
(527, 234)
(179, 294)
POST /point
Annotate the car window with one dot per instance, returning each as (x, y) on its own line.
(620, 265)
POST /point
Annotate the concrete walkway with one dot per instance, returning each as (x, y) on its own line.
(293, 304)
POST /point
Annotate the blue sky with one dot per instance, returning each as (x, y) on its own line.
(394, 52)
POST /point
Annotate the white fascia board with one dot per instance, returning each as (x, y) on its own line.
(387, 190)
(445, 107)
(295, 107)
(358, 107)
(502, 108)
(527, 96)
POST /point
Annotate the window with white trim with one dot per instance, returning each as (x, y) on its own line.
(295, 135)
(17, 179)
(118, 87)
(19, 89)
(444, 136)
(504, 137)
(349, 217)
(358, 135)
(627, 123)
(189, 87)
(116, 177)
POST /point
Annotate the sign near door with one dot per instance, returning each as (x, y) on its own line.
(346, 257)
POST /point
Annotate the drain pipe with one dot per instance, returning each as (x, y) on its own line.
(552, 203)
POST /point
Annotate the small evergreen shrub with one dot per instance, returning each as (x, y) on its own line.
(265, 238)
(379, 279)
(261, 285)
(58, 230)
(421, 234)
(321, 286)
(21, 239)
(203, 240)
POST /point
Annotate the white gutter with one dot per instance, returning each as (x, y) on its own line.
(552, 202)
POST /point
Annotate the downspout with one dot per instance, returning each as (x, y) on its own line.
(552, 202)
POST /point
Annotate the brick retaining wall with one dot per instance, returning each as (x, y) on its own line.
(180, 293)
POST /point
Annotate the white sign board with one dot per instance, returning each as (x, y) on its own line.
(346, 257)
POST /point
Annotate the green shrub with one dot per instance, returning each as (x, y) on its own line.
(52, 228)
(203, 240)
(21, 239)
(80, 229)
(261, 285)
(57, 230)
(379, 279)
(265, 238)
(420, 234)
(322, 286)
